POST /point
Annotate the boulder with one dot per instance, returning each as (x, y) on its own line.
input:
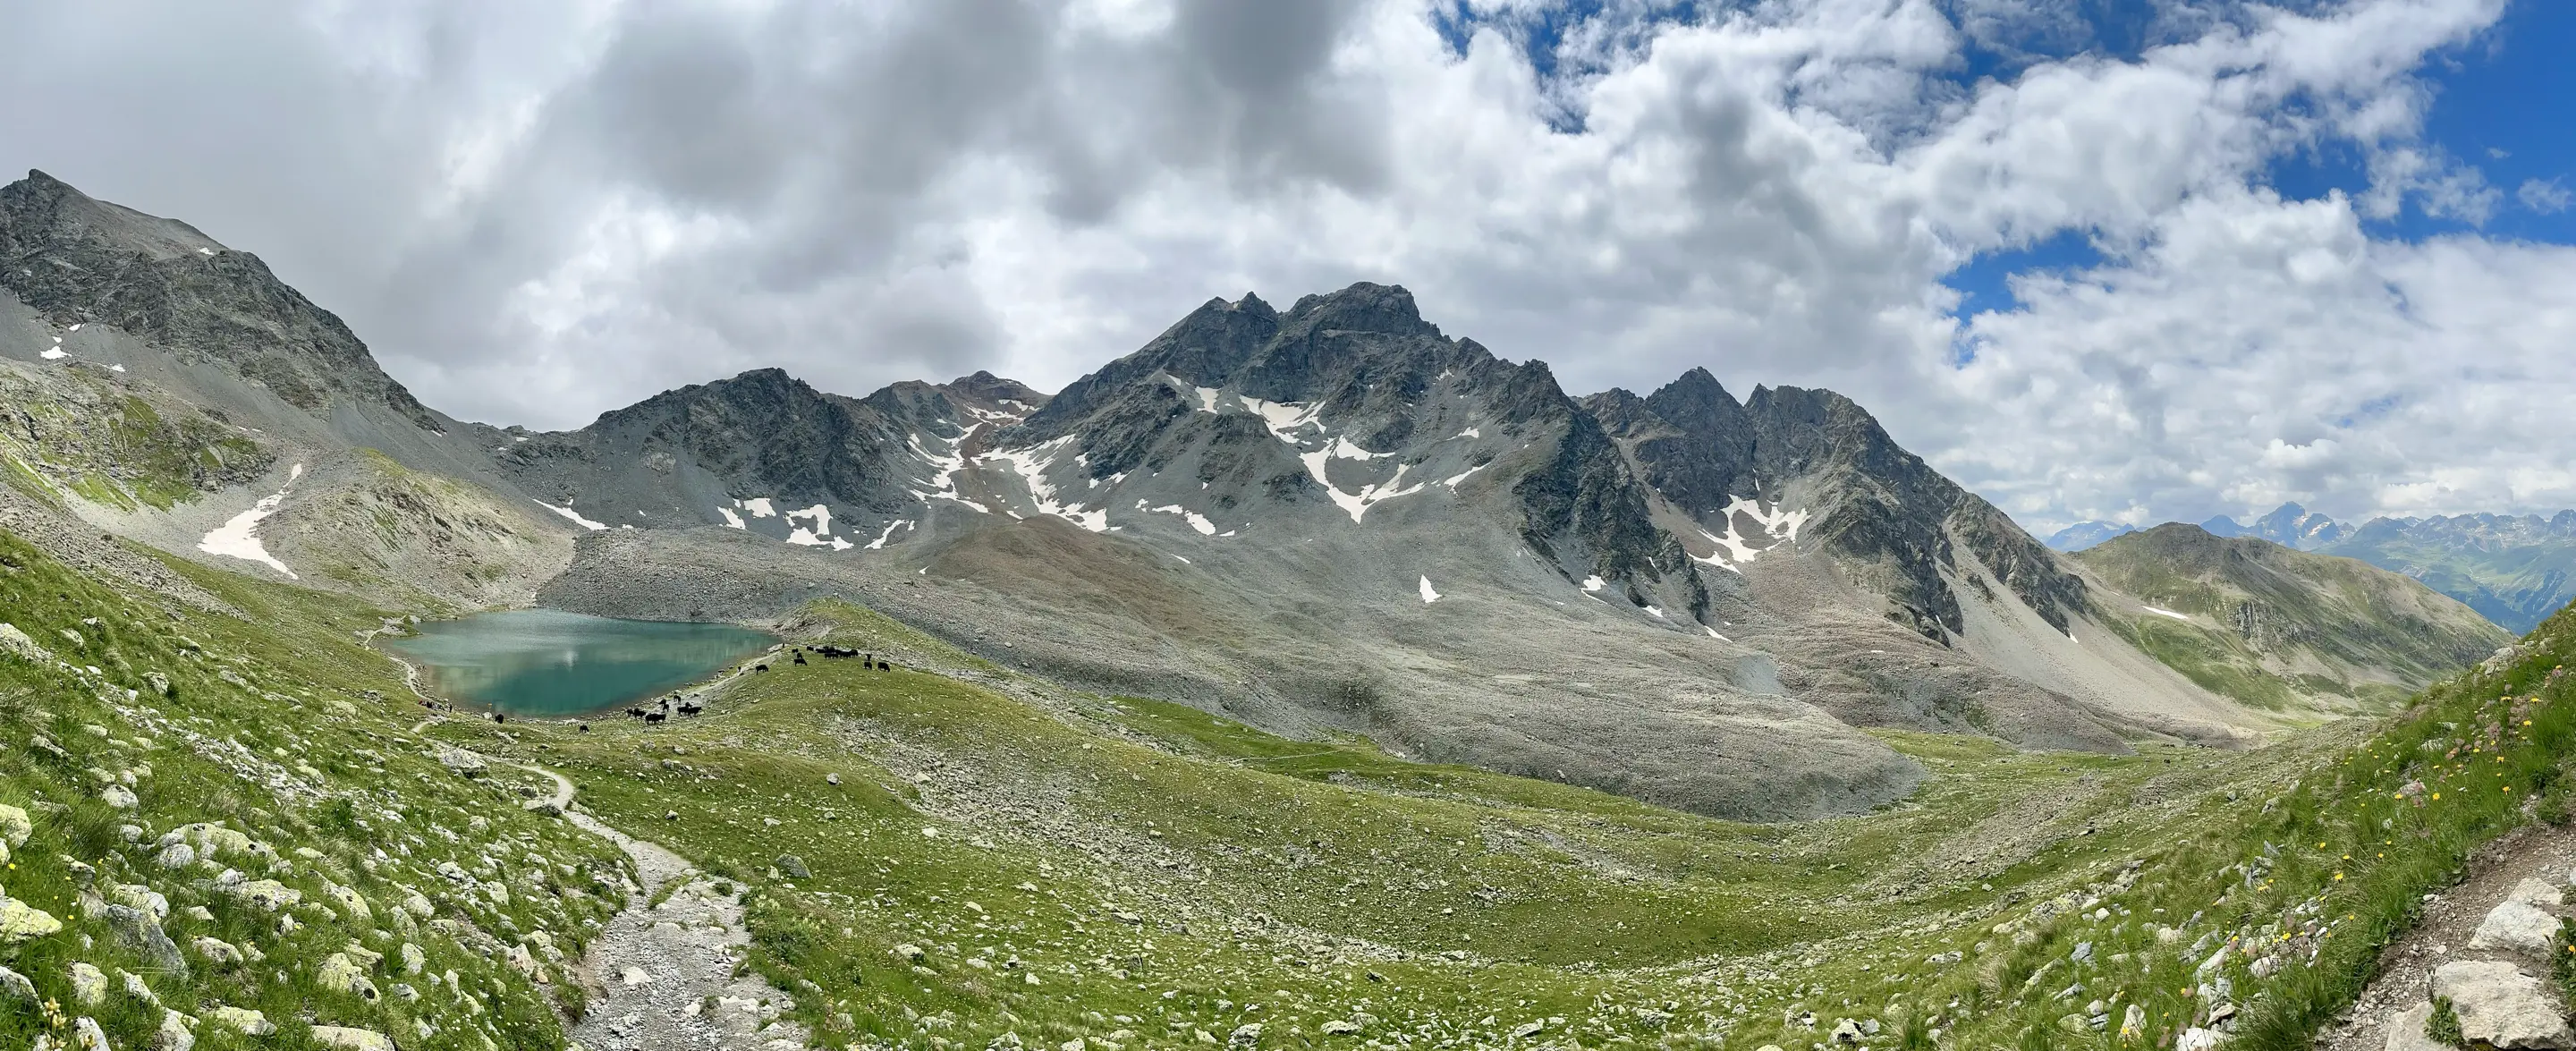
(460, 761)
(143, 898)
(15, 643)
(15, 826)
(2540, 892)
(344, 1038)
(2516, 926)
(2406, 1031)
(118, 796)
(89, 985)
(173, 1035)
(2197, 1039)
(267, 894)
(15, 986)
(794, 867)
(350, 902)
(242, 1020)
(217, 951)
(2500, 1005)
(135, 929)
(20, 921)
(339, 973)
(1338, 1027)
(87, 1036)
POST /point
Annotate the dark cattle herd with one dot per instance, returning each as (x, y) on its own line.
(664, 708)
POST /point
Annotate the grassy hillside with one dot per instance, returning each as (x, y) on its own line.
(432, 543)
(1072, 866)
(75, 430)
(2279, 628)
(988, 858)
(2515, 577)
(314, 828)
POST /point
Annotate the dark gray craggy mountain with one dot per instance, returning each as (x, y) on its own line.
(1861, 496)
(1246, 390)
(180, 384)
(1893, 596)
(747, 450)
(78, 260)
(1337, 518)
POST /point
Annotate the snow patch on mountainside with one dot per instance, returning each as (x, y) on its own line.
(944, 469)
(1777, 525)
(238, 537)
(1196, 520)
(575, 516)
(1429, 596)
(2165, 613)
(880, 542)
(730, 518)
(1031, 465)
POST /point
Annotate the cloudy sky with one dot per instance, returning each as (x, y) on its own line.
(2123, 259)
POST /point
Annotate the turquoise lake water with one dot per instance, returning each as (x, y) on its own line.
(547, 663)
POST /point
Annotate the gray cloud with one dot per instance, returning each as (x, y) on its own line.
(535, 213)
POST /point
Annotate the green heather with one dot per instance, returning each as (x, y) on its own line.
(1002, 858)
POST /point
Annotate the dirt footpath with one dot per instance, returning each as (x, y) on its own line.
(2406, 967)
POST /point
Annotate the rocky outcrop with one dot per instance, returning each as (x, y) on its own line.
(81, 260)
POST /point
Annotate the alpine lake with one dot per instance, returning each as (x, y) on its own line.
(549, 664)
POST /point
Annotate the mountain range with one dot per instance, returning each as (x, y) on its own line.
(2514, 570)
(1329, 518)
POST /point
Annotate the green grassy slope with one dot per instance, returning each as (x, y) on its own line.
(2514, 580)
(267, 745)
(1003, 858)
(2279, 628)
(1072, 866)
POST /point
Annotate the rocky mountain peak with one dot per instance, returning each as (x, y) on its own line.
(1362, 307)
(78, 259)
(42, 210)
(985, 390)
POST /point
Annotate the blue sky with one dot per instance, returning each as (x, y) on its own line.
(2503, 104)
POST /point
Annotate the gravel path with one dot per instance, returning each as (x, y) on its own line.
(663, 976)
(2406, 966)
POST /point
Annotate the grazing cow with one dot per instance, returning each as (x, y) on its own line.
(500, 717)
(584, 727)
(654, 717)
(884, 666)
(800, 657)
(635, 712)
(760, 667)
(691, 709)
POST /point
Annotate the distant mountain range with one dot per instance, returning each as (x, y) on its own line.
(2514, 570)
(1328, 518)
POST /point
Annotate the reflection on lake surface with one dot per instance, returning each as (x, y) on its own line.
(545, 662)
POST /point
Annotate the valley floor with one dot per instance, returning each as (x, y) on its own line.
(950, 854)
